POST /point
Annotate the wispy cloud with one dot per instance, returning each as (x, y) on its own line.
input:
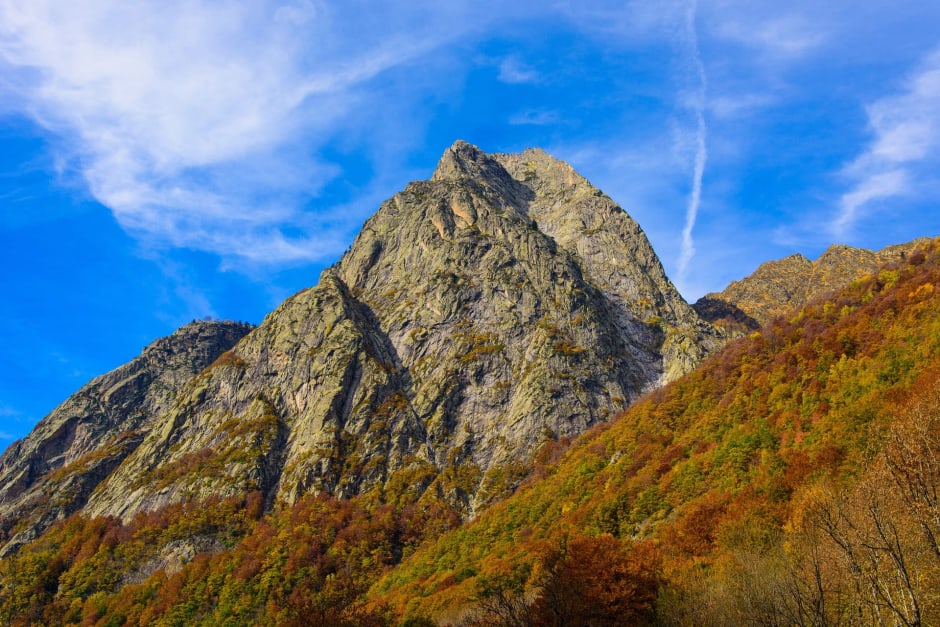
(906, 133)
(8, 413)
(697, 105)
(732, 106)
(199, 124)
(875, 186)
(515, 70)
(781, 37)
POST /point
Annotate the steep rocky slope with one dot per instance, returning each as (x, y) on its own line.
(51, 472)
(614, 256)
(502, 300)
(785, 285)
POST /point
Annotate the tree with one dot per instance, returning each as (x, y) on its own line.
(912, 458)
(501, 599)
(597, 581)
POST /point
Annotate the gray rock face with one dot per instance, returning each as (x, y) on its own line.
(500, 302)
(50, 473)
(615, 256)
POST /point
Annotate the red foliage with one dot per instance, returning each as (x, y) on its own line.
(596, 581)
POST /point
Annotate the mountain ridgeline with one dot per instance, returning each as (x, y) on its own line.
(51, 473)
(503, 301)
(784, 285)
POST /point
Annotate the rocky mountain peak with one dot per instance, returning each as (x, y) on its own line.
(472, 181)
(461, 161)
(504, 299)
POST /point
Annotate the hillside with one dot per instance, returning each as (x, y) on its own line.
(730, 487)
(775, 484)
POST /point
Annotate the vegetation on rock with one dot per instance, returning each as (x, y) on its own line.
(53, 471)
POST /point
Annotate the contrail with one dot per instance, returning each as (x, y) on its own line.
(701, 152)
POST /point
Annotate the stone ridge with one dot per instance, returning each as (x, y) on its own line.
(50, 473)
(783, 286)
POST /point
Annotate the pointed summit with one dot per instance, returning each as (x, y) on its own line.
(466, 161)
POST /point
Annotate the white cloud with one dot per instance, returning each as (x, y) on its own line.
(298, 14)
(697, 105)
(201, 124)
(776, 37)
(906, 132)
(906, 126)
(198, 123)
(728, 106)
(874, 187)
(535, 117)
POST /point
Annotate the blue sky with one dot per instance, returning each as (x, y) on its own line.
(173, 160)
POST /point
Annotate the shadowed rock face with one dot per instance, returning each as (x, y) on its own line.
(50, 473)
(501, 300)
(725, 315)
(781, 287)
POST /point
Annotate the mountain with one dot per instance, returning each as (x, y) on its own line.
(496, 409)
(50, 473)
(783, 286)
(790, 479)
(503, 301)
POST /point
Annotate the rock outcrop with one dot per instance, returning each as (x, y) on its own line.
(50, 473)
